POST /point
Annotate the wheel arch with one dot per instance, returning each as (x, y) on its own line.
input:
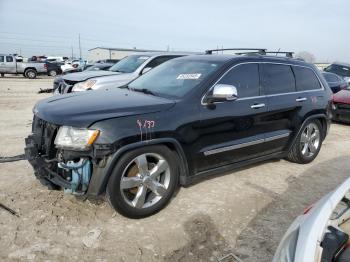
(28, 68)
(98, 186)
(321, 117)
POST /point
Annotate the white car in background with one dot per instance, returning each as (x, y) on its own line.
(72, 64)
(321, 234)
(121, 73)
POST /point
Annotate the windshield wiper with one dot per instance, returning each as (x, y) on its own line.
(143, 90)
(124, 87)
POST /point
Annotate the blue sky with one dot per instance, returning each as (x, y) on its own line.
(52, 27)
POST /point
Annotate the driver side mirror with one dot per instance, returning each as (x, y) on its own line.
(145, 70)
(223, 92)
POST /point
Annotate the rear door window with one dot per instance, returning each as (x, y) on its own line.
(9, 59)
(1, 59)
(277, 79)
(245, 78)
(306, 79)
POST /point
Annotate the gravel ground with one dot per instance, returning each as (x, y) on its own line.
(245, 212)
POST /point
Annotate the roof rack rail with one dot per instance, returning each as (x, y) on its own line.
(288, 53)
(261, 51)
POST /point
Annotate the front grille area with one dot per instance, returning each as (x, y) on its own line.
(44, 135)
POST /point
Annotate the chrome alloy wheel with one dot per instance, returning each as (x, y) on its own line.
(145, 180)
(310, 140)
(31, 74)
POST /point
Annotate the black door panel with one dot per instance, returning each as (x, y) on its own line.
(278, 83)
(227, 130)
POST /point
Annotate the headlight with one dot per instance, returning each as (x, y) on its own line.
(83, 86)
(75, 138)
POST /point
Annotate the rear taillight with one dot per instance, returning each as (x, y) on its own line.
(45, 66)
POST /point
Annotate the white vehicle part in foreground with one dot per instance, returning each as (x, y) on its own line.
(311, 228)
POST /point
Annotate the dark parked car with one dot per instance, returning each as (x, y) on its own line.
(341, 69)
(186, 119)
(335, 82)
(54, 68)
(341, 106)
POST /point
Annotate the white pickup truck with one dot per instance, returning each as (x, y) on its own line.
(9, 65)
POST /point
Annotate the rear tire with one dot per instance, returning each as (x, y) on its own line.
(308, 143)
(52, 73)
(143, 181)
(30, 73)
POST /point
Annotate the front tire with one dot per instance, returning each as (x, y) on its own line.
(143, 181)
(308, 143)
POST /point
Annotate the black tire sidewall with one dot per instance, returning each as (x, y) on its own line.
(303, 158)
(113, 188)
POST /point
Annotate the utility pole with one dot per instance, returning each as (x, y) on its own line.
(79, 47)
(72, 53)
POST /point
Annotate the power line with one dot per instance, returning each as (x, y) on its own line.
(60, 37)
(46, 46)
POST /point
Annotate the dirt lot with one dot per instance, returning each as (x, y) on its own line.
(245, 212)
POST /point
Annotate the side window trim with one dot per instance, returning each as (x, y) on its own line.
(263, 91)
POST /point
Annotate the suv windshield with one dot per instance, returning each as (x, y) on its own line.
(129, 64)
(175, 78)
(338, 69)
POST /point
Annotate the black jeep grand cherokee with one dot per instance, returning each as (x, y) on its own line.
(186, 119)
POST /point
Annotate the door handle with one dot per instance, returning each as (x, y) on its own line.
(256, 106)
(301, 99)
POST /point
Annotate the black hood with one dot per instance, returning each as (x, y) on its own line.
(85, 108)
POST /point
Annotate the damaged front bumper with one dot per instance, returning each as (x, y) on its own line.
(72, 176)
(79, 173)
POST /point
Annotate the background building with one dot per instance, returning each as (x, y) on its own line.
(100, 53)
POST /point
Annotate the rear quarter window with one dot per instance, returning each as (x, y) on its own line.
(277, 79)
(306, 79)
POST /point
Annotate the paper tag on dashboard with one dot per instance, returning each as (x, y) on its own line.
(189, 76)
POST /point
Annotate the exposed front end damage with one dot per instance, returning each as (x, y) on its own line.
(58, 168)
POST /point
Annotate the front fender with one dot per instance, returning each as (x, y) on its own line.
(101, 175)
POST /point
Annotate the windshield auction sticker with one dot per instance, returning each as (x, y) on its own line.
(189, 76)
